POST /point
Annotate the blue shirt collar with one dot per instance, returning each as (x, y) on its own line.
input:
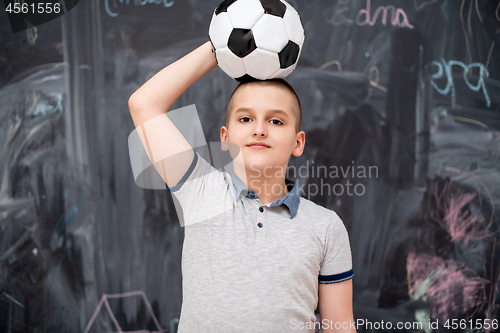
(291, 199)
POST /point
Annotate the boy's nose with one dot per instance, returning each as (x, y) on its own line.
(259, 129)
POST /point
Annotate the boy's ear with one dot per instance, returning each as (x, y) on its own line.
(300, 142)
(223, 139)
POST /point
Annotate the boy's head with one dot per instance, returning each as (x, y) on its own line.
(276, 83)
(263, 122)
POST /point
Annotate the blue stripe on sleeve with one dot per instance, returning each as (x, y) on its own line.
(336, 277)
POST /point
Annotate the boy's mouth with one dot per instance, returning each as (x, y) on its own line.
(258, 145)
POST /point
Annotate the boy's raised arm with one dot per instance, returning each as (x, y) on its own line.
(150, 103)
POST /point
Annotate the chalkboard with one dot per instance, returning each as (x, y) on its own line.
(401, 110)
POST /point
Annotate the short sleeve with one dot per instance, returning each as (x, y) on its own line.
(198, 188)
(337, 261)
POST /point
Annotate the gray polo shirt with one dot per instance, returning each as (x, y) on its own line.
(253, 267)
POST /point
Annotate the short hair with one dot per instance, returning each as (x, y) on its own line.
(280, 83)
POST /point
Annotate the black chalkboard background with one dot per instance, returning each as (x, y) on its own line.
(416, 97)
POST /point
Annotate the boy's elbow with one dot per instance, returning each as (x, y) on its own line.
(133, 103)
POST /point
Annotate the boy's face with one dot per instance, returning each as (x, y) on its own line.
(263, 114)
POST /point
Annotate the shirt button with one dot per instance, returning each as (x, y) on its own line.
(261, 209)
(260, 225)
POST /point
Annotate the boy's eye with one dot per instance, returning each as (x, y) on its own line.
(248, 119)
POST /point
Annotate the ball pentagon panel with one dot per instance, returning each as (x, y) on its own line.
(282, 73)
(289, 55)
(274, 7)
(245, 78)
(223, 6)
(241, 42)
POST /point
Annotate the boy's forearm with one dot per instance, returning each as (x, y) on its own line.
(161, 91)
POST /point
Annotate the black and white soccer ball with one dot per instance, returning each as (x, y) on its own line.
(256, 39)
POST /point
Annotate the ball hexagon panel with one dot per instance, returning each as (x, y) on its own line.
(245, 13)
(230, 63)
(270, 33)
(223, 6)
(289, 55)
(241, 42)
(274, 7)
(220, 29)
(293, 25)
(261, 64)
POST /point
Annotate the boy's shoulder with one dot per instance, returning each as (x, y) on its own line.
(312, 211)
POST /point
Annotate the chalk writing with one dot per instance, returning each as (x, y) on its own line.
(338, 17)
(444, 68)
(110, 12)
(398, 16)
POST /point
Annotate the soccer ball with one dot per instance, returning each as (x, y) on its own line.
(256, 39)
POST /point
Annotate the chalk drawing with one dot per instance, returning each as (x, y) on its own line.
(451, 288)
(451, 211)
(104, 300)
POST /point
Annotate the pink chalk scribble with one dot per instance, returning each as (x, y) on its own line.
(448, 208)
(449, 286)
(104, 300)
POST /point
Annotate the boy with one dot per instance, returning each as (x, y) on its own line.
(256, 256)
